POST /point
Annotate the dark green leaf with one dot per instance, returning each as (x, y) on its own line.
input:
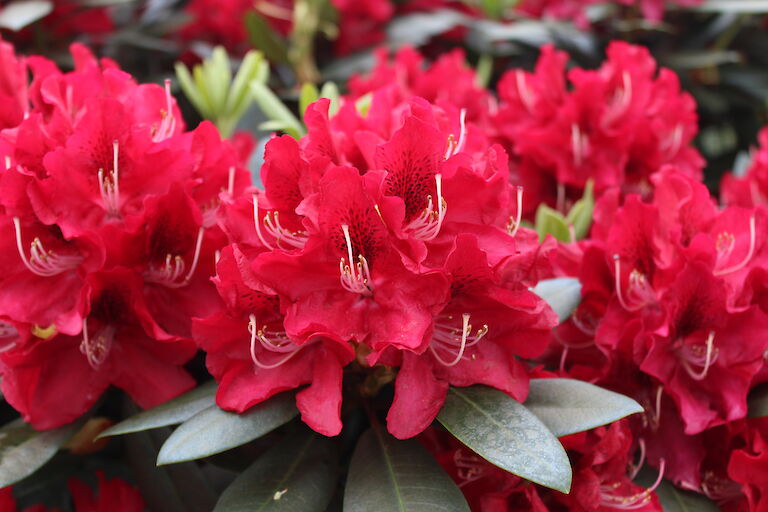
(173, 412)
(563, 294)
(297, 475)
(745, 6)
(387, 475)
(567, 406)
(213, 430)
(758, 402)
(501, 430)
(23, 450)
(263, 38)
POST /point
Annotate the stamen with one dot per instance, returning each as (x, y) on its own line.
(671, 146)
(231, 182)
(168, 122)
(168, 275)
(690, 355)
(296, 239)
(96, 350)
(8, 336)
(514, 223)
(41, 262)
(469, 467)
(524, 92)
(355, 278)
(635, 468)
(454, 146)
(427, 226)
(7, 163)
(449, 339)
(621, 100)
(579, 145)
(633, 502)
(640, 292)
(109, 186)
(282, 345)
(747, 258)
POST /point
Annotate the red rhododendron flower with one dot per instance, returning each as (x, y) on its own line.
(109, 211)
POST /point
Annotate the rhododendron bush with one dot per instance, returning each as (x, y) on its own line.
(489, 274)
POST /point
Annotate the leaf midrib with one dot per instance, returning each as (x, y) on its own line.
(390, 468)
(288, 473)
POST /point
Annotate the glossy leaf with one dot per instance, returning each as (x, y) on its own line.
(17, 15)
(504, 432)
(567, 406)
(563, 294)
(23, 450)
(388, 475)
(173, 412)
(213, 430)
(297, 475)
(744, 6)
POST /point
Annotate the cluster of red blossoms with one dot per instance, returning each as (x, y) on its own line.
(108, 222)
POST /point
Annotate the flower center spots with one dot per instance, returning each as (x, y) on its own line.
(173, 272)
(42, 262)
(272, 342)
(451, 342)
(427, 225)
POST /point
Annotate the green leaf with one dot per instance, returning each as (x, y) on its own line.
(551, 222)
(502, 431)
(580, 216)
(173, 412)
(17, 15)
(239, 98)
(23, 450)
(331, 91)
(213, 430)
(218, 76)
(263, 38)
(275, 110)
(758, 402)
(745, 6)
(567, 406)
(563, 294)
(398, 476)
(309, 94)
(189, 88)
(297, 475)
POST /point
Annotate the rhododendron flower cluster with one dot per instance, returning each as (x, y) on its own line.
(388, 239)
(616, 126)
(108, 229)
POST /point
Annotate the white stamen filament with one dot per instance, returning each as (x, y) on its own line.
(355, 277)
(96, 349)
(635, 468)
(523, 91)
(450, 339)
(725, 251)
(427, 225)
(640, 293)
(231, 182)
(276, 342)
(7, 162)
(621, 100)
(174, 267)
(168, 122)
(696, 355)
(639, 500)
(41, 262)
(109, 185)
(8, 336)
(514, 222)
(671, 146)
(579, 145)
(296, 239)
(454, 146)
